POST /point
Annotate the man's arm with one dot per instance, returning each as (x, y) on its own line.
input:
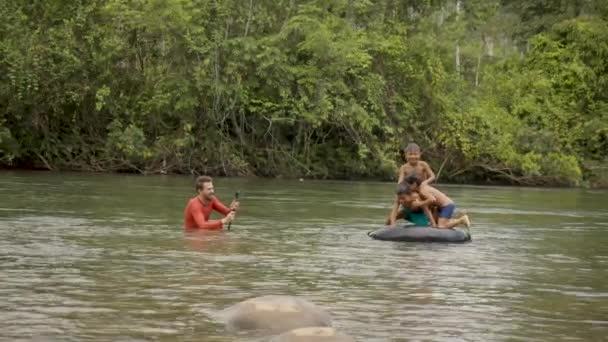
(201, 221)
(219, 206)
(429, 172)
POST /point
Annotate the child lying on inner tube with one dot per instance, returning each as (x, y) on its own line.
(420, 215)
(433, 197)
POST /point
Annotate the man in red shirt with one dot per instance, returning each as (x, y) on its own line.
(199, 208)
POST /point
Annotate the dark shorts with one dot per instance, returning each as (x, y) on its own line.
(447, 211)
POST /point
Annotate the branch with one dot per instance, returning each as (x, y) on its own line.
(46, 163)
(445, 160)
(291, 157)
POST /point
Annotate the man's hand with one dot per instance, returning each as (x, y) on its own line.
(235, 205)
(228, 218)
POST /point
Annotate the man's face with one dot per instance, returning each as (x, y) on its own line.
(412, 157)
(207, 192)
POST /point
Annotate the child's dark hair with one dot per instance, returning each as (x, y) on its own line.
(412, 147)
(403, 189)
(412, 179)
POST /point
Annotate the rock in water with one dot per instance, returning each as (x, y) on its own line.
(313, 334)
(274, 314)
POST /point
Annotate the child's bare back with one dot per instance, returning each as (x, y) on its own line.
(445, 205)
(441, 199)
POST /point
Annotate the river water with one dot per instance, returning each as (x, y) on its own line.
(97, 257)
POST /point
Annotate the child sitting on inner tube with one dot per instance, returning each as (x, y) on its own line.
(419, 216)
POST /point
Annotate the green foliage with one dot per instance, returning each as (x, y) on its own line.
(500, 90)
(9, 147)
(128, 142)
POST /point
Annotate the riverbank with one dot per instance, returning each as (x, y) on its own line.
(599, 181)
(491, 92)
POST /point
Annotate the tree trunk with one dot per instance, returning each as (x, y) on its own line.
(479, 57)
(458, 58)
(249, 18)
(489, 43)
(458, 7)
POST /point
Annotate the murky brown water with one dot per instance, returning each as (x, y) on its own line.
(91, 257)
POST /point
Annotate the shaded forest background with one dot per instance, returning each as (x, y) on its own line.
(493, 91)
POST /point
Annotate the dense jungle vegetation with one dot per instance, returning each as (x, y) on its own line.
(508, 91)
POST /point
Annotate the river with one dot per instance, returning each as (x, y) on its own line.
(99, 257)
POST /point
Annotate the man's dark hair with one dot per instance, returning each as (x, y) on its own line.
(412, 179)
(403, 189)
(200, 180)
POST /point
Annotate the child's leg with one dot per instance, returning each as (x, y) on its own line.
(430, 216)
(435, 212)
(445, 217)
(467, 220)
(451, 223)
(465, 217)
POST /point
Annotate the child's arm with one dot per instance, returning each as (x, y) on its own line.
(426, 210)
(394, 212)
(428, 200)
(401, 174)
(430, 215)
(388, 219)
(429, 172)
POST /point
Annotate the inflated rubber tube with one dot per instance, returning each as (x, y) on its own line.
(420, 234)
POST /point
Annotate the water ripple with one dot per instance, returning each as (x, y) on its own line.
(114, 269)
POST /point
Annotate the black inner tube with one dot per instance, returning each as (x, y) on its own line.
(420, 234)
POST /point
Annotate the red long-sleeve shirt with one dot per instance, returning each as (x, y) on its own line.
(197, 215)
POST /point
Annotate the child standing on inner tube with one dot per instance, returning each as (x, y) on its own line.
(431, 196)
(413, 166)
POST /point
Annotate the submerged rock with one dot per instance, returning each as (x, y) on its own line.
(313, 334)
(274, 314)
